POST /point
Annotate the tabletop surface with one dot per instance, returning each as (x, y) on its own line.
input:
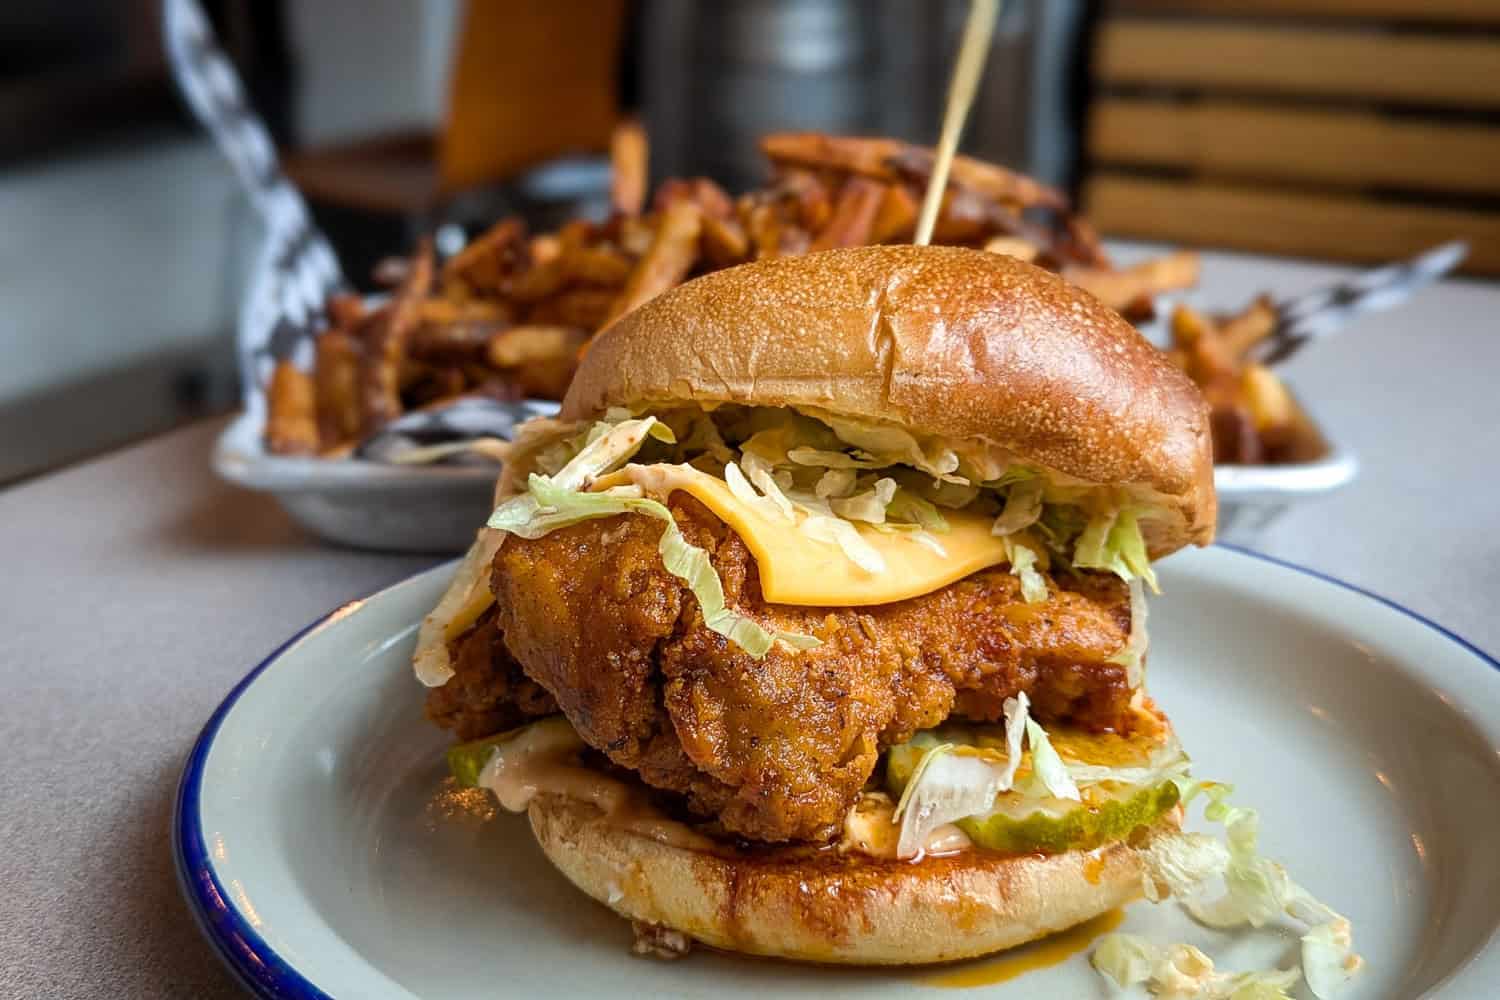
(137, 589)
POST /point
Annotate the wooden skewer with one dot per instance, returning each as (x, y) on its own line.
(966, 73)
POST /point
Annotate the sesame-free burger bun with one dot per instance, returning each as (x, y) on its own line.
(845, 909)
(958, 344)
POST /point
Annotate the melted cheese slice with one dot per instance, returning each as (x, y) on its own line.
(797, 569)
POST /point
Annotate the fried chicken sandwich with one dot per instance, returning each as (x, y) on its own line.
(814, 626)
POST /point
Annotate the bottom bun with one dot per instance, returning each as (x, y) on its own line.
(827, 907)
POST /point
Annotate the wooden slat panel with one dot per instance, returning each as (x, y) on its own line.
(1304, 61)
(1463, 11)
(1331, 147)
(1278, 222)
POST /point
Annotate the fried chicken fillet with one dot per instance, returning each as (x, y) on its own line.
(776, 749)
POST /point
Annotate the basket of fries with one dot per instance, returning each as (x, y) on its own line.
(388, 435)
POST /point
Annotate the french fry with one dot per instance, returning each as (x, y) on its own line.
(712, 198)
(582, 307)
(1245, 329)
(539, 360)
(988, 180)
(453, 342)
(666, 263)
(807, 191)
(523, 345)
(1189, 327)
(897, 217)
(869, 157)
(486, 262)
(547, 277)
(724, 242)
(764, 226)
(794, 240)
(1267, 399)
(380, 370)
(853, 215)
(291, 413)
(344, 310)
(966, 218)
(542, 280)
(635, 236)
(1233, 430)
(1207, 363)
(1121, 290)
(1013, 246)
(629, 155)
(545, 247)
(577, 233)
(601, 265)
(1082, 243)
(708, 196)
(336, 378)
(436, 312)
(1172, 272)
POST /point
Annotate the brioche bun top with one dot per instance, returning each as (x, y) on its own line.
(957, 344)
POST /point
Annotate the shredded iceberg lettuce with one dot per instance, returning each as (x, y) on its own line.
(1112, 541)
(1023, 506)
(907, 506)
(762, 474)
(1182, 971)
(1017, 713)
(1023, 564)
(893, 445)
(835, 530)
(916, 533)
(1132, 655)
(1047, 768)
(868, 506)
(1177, 865)
(834, 459)
(740, 487)
(836, 483)
(1256, 889)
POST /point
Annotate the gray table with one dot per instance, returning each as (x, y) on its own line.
(137, 589)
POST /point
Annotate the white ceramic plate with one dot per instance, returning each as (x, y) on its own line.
(324, 855)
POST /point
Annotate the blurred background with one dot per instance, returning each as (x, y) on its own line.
(1342, 129)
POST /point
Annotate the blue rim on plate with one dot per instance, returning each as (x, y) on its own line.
(253, 963)
(260, 969)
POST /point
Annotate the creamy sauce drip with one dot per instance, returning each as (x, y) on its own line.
(871, 829)
(544, 761)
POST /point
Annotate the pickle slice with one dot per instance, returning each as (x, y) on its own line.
(466, 760)
(1016, 827)
(1020, 823)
